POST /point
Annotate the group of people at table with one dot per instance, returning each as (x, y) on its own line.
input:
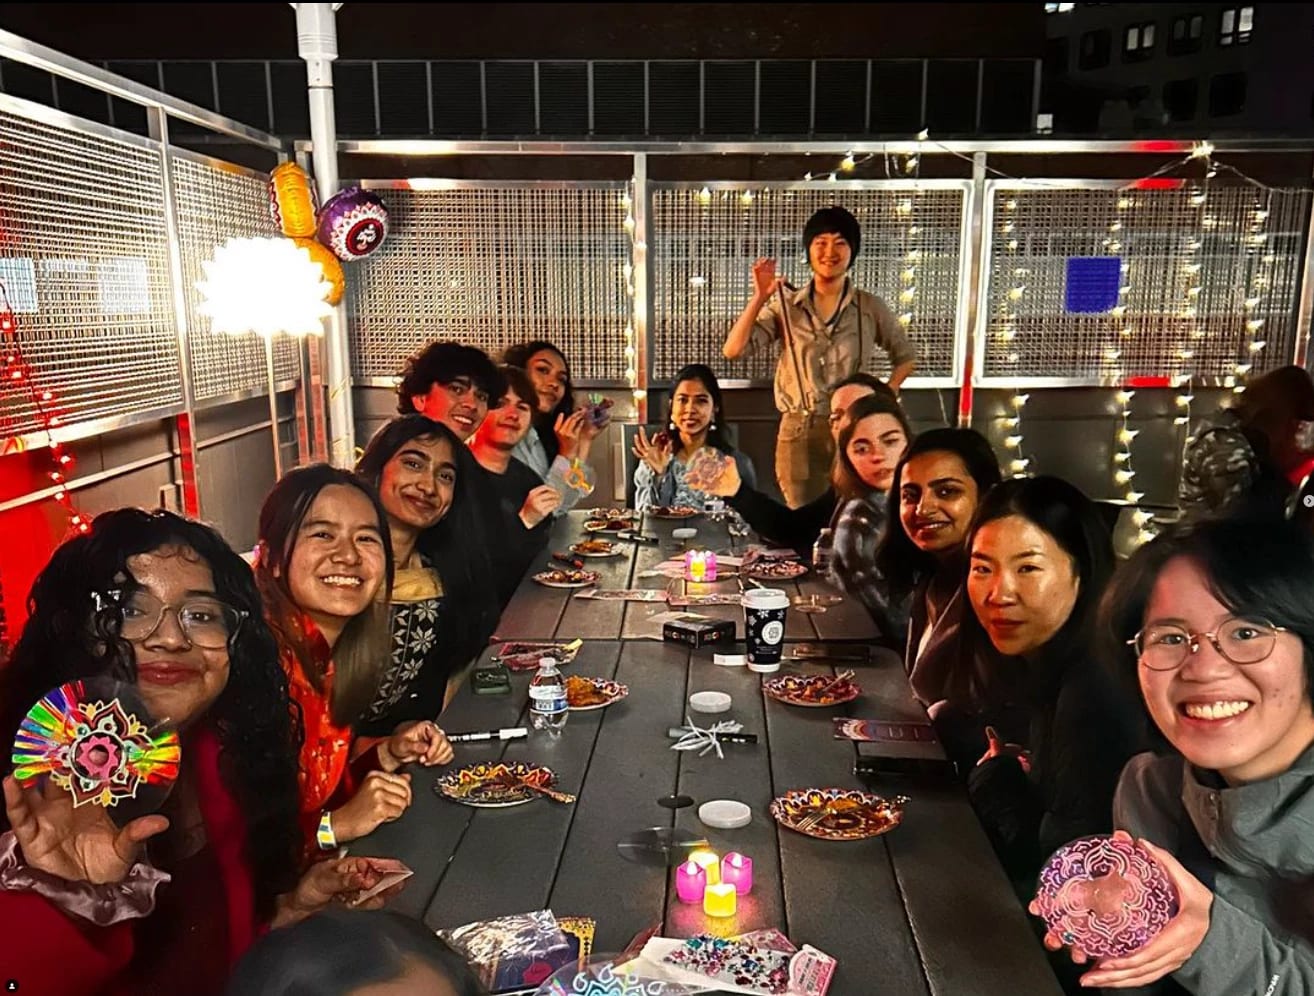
(1168, 697)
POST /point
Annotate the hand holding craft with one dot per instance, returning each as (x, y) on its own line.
(1173, 946)
(77, 843)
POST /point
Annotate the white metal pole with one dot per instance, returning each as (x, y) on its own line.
(317, 44)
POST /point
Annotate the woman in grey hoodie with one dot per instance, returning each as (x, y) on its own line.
(1220, 625)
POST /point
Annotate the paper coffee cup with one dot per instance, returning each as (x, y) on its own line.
(764, 627)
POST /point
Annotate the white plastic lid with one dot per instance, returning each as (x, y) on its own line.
(725, 814)
(684, 532)
(729, 660)
(710, 702)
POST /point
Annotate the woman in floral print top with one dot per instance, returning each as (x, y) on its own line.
(441, 617)
(324, 568)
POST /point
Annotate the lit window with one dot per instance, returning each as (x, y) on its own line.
(1063, 8)
(1186, 35)
(1235, 25)
(1138, 42)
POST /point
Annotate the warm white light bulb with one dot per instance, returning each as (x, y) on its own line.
(264, 285)
(1020, 399)
(1127, 435)
(1123, 476)
(1012, 442)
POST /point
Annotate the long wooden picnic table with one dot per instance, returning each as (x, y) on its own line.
(922, 909)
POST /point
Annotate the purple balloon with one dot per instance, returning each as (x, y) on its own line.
(353, 223)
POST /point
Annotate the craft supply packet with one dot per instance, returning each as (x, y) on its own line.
(761, 969)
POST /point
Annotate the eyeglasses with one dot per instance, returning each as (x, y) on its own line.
(205, 622)
(1242, 640)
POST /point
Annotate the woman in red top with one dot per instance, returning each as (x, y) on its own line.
(169, 902)
(324, 567)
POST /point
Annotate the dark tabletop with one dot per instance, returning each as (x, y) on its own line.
(922, 909)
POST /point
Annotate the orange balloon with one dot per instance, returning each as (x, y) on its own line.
(292, 201)
(331, 266)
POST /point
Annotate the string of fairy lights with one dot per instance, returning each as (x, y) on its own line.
(637, 251)
(16, 374)
(1134, 197)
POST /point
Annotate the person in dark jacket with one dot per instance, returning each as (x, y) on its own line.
(1040, 558)
(1246, 460)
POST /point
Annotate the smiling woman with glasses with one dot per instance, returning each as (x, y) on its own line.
(170, 901)
(1215, 628)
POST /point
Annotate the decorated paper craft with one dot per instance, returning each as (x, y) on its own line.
(625, 594)
(1105, 895)
(706, 468)
(95, 739)
(750, 967)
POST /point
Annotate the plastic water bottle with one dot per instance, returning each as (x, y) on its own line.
(822, 553)
(548, 709)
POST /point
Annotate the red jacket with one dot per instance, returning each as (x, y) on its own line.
(51, 953)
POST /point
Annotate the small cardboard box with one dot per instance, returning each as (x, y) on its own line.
(699, 631)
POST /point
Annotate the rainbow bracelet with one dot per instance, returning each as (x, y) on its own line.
(324, 835)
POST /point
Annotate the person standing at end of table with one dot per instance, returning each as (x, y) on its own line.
(827, 329)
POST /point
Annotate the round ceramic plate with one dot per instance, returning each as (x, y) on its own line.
(776, 570)
(1105, 895)
(614, 691)
(801, 690)
(494, 786)
(849, 814)
(673, 512)
(566, 579)
(612, 550)
(608, 525)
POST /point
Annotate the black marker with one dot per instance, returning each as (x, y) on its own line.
(629, 534)
(677, 732)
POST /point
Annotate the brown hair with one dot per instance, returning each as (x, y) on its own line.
(364, 648)
(846, 480)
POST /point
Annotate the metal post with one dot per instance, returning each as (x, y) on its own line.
(977, 250)
(184, 422)
(273, 406)
(317, 44)
(1305, 308)
(642, 263)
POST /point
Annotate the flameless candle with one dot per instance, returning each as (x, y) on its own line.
(737, 870)
(720, 900)
(710, 863)
(690, 882)
(700, 566)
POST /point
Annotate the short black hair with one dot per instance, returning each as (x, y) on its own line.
(336, 952)
(442, 363)
(833, 220)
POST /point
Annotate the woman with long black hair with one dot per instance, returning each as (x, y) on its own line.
(441, 612)
(170, 901)
(696, 419)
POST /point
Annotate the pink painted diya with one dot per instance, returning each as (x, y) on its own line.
(1106, 896)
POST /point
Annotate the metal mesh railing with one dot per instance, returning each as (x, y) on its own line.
(84, 265)
(705, 240)
(1240, 248)
(492, 264)
(218, 201)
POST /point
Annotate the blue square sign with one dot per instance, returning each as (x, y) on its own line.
(1092, 284)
